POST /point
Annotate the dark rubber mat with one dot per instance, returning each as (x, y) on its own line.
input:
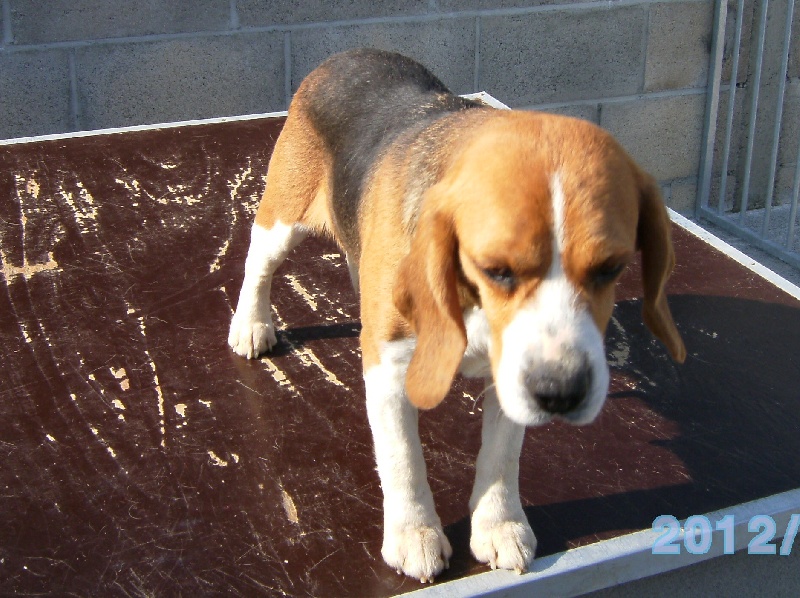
(140, 456)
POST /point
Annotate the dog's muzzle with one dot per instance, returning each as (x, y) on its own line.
(560, 387)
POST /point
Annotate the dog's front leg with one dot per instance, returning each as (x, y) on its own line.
(413, 539)
(501, 535)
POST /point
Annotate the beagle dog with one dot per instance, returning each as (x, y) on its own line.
(481, 241)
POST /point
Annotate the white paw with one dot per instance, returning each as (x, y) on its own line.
(421, 552)
(250, 339)
(503, 544)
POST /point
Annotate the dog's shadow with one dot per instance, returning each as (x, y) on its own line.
(724, 427)
(290, 339)
(732, 411)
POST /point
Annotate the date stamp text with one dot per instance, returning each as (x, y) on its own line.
(697, 534)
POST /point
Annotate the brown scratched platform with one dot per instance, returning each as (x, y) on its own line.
(139, 456)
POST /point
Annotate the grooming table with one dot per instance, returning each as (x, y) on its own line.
(140, 456)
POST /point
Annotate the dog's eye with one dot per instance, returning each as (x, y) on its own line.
(605, 274)
(503, 277)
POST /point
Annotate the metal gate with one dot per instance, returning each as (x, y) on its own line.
(750, 170)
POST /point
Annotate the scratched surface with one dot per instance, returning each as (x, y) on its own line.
(141, 457)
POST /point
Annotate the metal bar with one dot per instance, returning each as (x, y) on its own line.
(712, 103)
(754, 239)
(751, 132)
(726, 148)
(776, 132)
(713, 240)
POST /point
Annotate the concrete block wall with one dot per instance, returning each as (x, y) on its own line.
(636, 67)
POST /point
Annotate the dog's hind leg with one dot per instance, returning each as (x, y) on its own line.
(294, 204)
(252, 331)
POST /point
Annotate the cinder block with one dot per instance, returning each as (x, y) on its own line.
(585, 111)
(784, 184)
(678, 45)
(36, 22)
(731, 195)
(730, 38)
(662, 134)
(773, 46)
(446, 47)
(258, 13)
(35, 92)
(682, 195)
(180, 79)
(790, 123)
(774, 41)
(454, 5)
(738, 128)
(794, 48)
(563, 56)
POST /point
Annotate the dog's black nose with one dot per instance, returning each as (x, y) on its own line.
(560, 386)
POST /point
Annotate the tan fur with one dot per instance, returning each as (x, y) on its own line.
(298, 177)
(383, 247)
(464, 229)
(658, 260)
(489, 206)
(426, 295)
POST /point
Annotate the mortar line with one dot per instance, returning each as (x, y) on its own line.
(477, 75)
(235, 24)
(287, 65)
(74, 100)
(112, 130)
(655, 95)
(8, 34)
(645, 43)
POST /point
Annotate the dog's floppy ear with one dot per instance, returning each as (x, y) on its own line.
(658, 259)
(426, 295)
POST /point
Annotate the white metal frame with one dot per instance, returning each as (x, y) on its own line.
(613, 562)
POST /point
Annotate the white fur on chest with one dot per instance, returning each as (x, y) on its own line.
(475, 363)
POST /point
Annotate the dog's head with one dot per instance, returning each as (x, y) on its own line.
(534, 220)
